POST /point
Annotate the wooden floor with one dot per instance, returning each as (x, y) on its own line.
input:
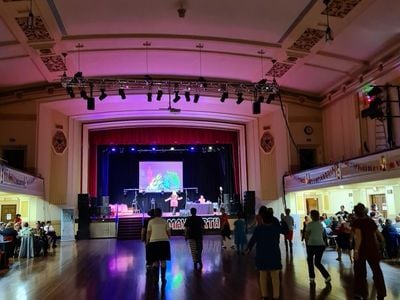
(113, 269)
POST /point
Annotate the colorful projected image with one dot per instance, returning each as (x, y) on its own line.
(160, 176)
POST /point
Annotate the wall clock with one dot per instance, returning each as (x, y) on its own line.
(308, 130)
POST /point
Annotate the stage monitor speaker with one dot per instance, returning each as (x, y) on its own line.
(249, 200)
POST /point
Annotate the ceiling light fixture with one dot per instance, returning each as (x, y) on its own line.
(83, 94)
(163, 86)
(90, 103)
(121, 92)
(224, 96)
(103, 94)
(256, 108)
(177, 97)
(328, 30)
(271, 97)
(149, 97)
(159, 95)
(70, 91)
(187, 96)
(240, 98)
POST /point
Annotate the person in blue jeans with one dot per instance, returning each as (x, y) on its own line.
(240, 233)
(314, 236)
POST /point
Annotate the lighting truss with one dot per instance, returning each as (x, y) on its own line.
(214, 88)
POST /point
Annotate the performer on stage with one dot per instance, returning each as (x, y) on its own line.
(201, 200)
(221, 198)
(174, 198)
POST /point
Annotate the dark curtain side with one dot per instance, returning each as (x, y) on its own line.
(159, 136)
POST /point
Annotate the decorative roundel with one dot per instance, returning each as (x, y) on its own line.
(308, 130)
(59, 142)
(267, 142)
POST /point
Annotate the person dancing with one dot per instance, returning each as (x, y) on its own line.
(315, 247)
(158, 234)
(194, 227)
(268, 254)
(366, 249)
(173, 200)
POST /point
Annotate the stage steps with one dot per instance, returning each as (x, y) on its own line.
(129, 228)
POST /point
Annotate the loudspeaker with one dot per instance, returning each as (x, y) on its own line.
(249, 200)
(83, 200)
(236, 205)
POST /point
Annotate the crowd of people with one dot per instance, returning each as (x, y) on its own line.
(26, 241)
(365, 237)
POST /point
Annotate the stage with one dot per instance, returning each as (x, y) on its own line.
(111, 226)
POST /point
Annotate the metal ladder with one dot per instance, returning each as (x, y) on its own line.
(380, 136)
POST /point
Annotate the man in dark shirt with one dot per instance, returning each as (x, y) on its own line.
(366, 249)
(344, 214)
(194, 226)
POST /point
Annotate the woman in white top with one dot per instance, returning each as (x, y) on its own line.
(315, 247)
(157, 238)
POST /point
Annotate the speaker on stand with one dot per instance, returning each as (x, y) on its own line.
(83, 216)
(249, 201)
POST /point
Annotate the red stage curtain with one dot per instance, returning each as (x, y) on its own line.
(159, 136)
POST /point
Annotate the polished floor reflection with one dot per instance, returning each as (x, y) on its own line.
(112, 269)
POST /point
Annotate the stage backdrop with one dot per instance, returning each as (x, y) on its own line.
(215, 168)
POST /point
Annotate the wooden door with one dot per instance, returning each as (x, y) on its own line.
(311, 204)
(8, 212)
(380, 201)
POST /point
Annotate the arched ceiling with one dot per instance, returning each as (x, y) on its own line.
(137, 38)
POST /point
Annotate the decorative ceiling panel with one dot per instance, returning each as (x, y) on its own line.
(54, 63)
(308, 39)
(279, 69)
(36, 34)
(340, 8)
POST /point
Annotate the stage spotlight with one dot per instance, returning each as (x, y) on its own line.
(196, 98)
(121, 92)
(149, 96)
(70, 91)
(177, 97)
(159, 95)
(256, 108)
(270, 98)
(224, 96)
(83, 94)
(133, 149)
(90, 103)
(103, 94)
(187, 96)
(261, 98)
(374, 91)
(113, 149)
(153, 148)
(192, 148)
(240, 98)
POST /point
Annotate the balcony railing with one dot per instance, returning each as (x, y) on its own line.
(14, 181)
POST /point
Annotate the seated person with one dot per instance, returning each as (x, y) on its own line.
(201, 200)
(51, 233)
